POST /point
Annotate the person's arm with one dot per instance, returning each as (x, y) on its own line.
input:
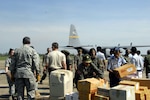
(109, 66)
(6, 65)
(63, 62)
(63, 65)
(99, 73)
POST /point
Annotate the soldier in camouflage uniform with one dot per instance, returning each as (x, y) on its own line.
(98, 62)
(87, 69)
(45, 70)
(147, 63)
(7, 69)
(78, 58)
(25, 59)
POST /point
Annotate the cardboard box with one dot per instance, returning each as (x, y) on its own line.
(147, 95)
(86, 96)
(104, 83)
(125, 70)
(122, 92)
(130, 83)
(143, 88)
(100, 97)
(139, 95)
(142, 81)
(103, 91)
(88, 85)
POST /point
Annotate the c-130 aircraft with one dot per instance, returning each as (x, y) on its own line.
(74, 42)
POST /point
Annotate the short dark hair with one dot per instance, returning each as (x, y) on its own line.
(26, 40)
(99, 48)
(55, 44)
(148, 51)
(133, 50)
(10, 50)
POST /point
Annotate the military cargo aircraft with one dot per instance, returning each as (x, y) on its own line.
(74, 42)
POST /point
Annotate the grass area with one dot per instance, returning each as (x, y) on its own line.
(3, 57)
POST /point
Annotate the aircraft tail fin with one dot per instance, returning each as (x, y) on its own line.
(73, 37)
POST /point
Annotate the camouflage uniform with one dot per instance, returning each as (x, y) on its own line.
(89, 71)
(10, 83)
(24, 61)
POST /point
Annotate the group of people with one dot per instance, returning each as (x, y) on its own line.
(23, 66)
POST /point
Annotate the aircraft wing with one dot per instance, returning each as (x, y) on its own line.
(74, 42)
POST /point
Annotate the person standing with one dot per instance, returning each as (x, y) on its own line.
(24, 61)
(37, 94)
(68, 60)
(7, 70)
(45, 70)
(115, 61)
(56, 59)
(147, 64)
(98, 62)
(127, 56)
(78, 58)
(101, 56)
(136, 60)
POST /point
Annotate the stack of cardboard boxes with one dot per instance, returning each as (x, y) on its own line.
(87, 88)
(130, 89)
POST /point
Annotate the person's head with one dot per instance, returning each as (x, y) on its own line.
(11, 52)
(92, 52)
(138, 52)
(48, 50)
(86, 60)
(111, 51)
(79, 51)
(26, 40)
(133, 50)
(127, 52)
(117, 51)
(148, 52)
(54, 45)
(99, 48)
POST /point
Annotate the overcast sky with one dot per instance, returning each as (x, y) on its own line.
(98, 22)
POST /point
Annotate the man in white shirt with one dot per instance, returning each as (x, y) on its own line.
(136, 60)
(101, 56)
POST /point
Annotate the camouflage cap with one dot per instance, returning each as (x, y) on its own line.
(87, 58)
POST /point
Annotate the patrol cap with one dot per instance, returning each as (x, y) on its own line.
(87, 58)
(26, 40)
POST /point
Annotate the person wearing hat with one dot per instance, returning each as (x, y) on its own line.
(25, 60)
(115, 61)
(87, 69)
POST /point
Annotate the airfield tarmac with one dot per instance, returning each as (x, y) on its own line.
(4, 94)
(43, 88)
